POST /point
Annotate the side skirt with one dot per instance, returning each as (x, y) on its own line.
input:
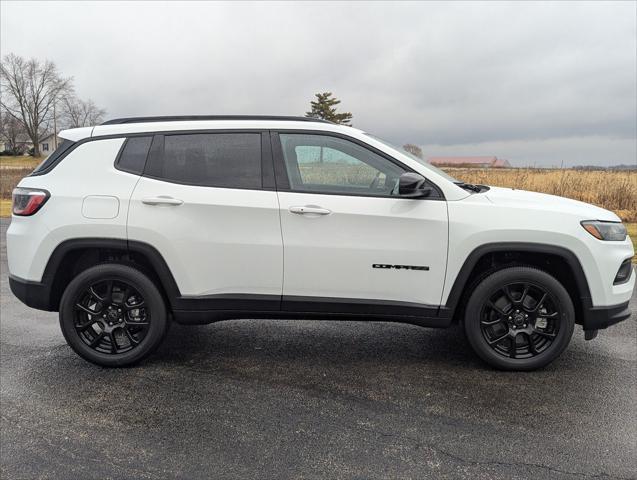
(214, 308)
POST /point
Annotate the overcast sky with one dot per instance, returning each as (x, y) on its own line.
(536, 83)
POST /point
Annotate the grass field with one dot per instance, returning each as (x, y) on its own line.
(5, 208)
(9, 178)
(25, 161)
(12, 170)
(632, 233)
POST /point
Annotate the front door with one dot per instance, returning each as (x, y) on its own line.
(348, 238)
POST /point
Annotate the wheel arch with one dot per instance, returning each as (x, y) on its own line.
(558, 261)
(76, 255)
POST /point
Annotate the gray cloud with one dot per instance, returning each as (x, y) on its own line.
(538, 83)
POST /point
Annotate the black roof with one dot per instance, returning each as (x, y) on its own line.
(118, 121)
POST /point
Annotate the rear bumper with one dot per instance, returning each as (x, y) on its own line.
(33, 294)
(596, 318)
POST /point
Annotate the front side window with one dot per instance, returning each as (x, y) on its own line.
(230, 160)
(326, 164)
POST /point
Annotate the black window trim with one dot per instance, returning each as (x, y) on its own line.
(283, 183)
(267, 171)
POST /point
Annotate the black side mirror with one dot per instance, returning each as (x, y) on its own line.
(413, 185)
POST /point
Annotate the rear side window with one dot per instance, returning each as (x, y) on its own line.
(133, 156)
(230, 160)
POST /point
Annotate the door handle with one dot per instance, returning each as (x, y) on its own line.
(162, 200)
(310, 209)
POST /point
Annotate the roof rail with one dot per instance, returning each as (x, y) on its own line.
(119, 121)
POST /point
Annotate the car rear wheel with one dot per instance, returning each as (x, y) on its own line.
(113, 315)
(519, 318)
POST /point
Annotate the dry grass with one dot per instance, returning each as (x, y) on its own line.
(12, 170)
(632, 233)
(24, 161)
(613, 190)
(9, 178)
(5, 208)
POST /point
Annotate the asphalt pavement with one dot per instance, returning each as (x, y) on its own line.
(272, 399)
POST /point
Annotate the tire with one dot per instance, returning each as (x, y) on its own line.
(113, 315)
(519, 318)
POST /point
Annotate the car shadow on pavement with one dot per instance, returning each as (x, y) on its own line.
(329, 342)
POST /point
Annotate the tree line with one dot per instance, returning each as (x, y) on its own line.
(36, 100)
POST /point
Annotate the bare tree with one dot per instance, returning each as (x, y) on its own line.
(415, 150)
(80, 113)
(29, 90)
(12, 131)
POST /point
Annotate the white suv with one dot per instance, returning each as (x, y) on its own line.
(136, 222)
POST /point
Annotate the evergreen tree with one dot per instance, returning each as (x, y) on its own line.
(325, 108)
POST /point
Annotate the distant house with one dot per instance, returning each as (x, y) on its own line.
(23, 143)
(475, 162)
(48, 144)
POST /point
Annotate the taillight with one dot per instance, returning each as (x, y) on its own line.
(27, 201)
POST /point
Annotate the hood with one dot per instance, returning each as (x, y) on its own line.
(549, 203)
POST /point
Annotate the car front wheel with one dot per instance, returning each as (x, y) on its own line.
(519, 318)
(113, 315)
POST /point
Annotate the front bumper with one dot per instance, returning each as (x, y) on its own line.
(596, 318)
(593, 318)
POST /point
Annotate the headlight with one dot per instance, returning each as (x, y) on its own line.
(613, 231)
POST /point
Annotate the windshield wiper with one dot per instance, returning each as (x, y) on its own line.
(469, 186)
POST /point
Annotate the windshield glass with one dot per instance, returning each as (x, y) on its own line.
(421, 161)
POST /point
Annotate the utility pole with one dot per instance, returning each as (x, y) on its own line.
(55, 126)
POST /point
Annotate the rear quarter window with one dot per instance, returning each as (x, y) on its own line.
(132, 157)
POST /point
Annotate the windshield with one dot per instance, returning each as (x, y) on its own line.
(421, 161)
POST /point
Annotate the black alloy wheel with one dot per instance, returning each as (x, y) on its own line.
(519, 318)
(113, 315)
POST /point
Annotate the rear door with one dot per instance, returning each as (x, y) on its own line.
(206, 202)
(349, 239)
